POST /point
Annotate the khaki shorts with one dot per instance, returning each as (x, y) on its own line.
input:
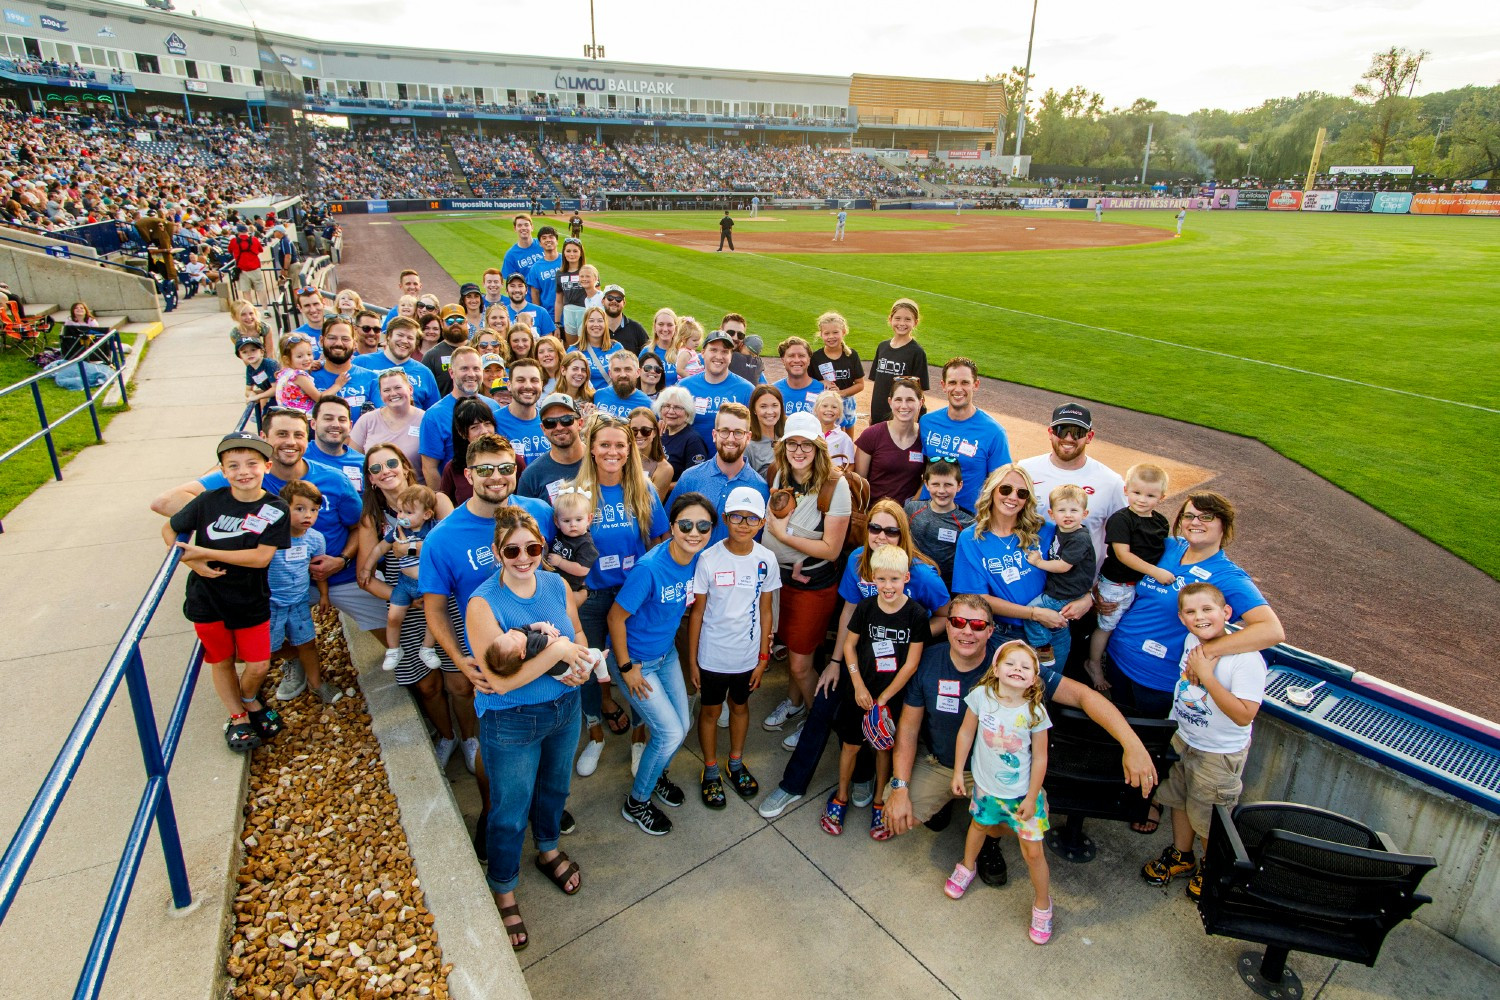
(1201, 780)
(930, 788)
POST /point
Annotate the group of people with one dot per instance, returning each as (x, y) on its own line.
(575, 530)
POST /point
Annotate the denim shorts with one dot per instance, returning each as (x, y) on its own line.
(404, 592)
(291, 623)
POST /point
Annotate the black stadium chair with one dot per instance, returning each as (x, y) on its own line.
(1295, 877)
(1084, 779)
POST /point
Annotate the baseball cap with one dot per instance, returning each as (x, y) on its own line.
(613, 288)
(453, 311)
(746, 499)
(244, 342)
(242, 439)
(491, 359)
(803, 425)
(719, 337)
(1072, 413)
(469, 288)
(516, 276)
(557, 399)
(753, 344)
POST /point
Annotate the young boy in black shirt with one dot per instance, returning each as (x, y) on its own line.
(886, 635)
(1069, 566)
(236, 530)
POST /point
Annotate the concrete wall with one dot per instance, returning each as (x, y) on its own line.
(37, 277)
(43, 241)
(1287, 764)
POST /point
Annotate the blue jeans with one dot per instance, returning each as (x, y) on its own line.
(814, 739)
(593, 615)
(1039, 635)
(665, 713)
(528, 757)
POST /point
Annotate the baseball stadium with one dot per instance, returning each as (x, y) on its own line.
(417, 464)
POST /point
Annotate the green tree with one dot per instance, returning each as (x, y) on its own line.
(1011, 83)
(1390, 73)
(1475, 146)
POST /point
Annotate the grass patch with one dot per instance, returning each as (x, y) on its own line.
(1403, 303)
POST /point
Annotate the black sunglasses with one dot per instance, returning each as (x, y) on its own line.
(369, 329)
(892, 532)
(688, 527)
(552, 423)
(1072, 431)
(614, 298)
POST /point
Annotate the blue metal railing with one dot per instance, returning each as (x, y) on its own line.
(156, 799)
(116, 360)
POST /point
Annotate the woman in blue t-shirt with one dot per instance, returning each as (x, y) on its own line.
(597, 346)
(528, 723)
(643, 631)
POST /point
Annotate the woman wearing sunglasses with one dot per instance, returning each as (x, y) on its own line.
(647, 437)
(395, 423)
(889, 453)
(887, 526)
(643, 630)
(653, 376)
(528, 722)
(472, 419)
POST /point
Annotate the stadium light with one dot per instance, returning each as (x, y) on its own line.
(1025, 81)
(593, 50)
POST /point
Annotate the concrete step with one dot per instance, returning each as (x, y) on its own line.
(104, 322)
(39, 309)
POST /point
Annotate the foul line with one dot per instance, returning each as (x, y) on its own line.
(1133, 336)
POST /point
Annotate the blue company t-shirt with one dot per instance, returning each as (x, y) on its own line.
(336, 518)
(1147, 644)
(617, 536)
(435, 438)
(598, 360)
(710, 480)
(424, 388)
(608, 401)
(798, 400)
(351, 463)
(542, 279)
(361, 388)
(925, 586)
(521, 259)
(657, 594)
(541, 320)
(939, 689)
(977, 444)
(669, 368)
(709, 396)
(997, 567)
(526, 435)
(548, 604)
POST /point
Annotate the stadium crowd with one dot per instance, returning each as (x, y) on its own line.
(784, 171)
(381, 163)
(502, 167)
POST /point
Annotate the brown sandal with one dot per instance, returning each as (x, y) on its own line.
(559, 870)
(517, 928)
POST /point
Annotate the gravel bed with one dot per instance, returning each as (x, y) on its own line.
(328, 901)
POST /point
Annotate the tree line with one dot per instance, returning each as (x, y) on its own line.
(1450, 134)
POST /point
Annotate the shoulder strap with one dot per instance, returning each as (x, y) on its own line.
(825, 495)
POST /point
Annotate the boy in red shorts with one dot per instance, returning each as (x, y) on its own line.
(236, 530)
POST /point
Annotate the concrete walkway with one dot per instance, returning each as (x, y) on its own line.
(78, 555)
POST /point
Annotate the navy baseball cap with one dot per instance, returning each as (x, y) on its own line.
(1072, 413)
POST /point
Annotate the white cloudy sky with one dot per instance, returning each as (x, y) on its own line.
(1185, 55)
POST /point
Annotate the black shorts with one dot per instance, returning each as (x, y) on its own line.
(849, 722)
(716, 686)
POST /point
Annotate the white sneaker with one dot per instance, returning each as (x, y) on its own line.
(790, 743)
(776, 803)
(430, 660)
(724, 716)
(443, 751)
(588, 761)
(293, 681)
(471, 751)
(780, 714)
(862, 794)
(636, 749)
(392, 659)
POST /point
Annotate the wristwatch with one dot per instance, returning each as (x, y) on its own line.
(626, 666)
(898, 783)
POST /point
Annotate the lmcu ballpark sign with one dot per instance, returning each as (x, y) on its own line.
(612, 84)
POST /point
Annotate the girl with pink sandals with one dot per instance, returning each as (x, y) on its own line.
(1006, 713)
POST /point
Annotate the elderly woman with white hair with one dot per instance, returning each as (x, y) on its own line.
(683, 446)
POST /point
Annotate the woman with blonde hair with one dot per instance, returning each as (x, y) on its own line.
(663, 335)
(549, 353)
(647, 434)
(247, 323)
(497, 320)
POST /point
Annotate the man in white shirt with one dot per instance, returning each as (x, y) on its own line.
(1069, 434)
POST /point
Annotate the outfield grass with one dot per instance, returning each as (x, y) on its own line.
(1405, 304)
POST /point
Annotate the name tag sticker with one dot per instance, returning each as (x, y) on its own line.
(948, 687)
(256, 524)
(1199, 572)
(446, 360)
(627, 562)
(1010, 574)
(968, 449)
(947, 534)
(297, 553)
(724, 578)
(914, 456)
(413, 432)
(826, 370)
(884, 647)
(948, 703)
(355, 399)
(609, 562)
(700, 404)
(552, 489)
(885, 664)
(270, 514)
(354, 476)
(1155, 648)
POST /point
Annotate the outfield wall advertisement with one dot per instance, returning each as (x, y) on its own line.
(1391, 202)
(1319, 201)
(1255, 199)
(1285, 201)
(381, 207)
(1172, 203)
(1455, 204)
(1355, 201)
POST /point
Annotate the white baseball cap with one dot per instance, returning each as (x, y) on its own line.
(747, 500)
(803, 425)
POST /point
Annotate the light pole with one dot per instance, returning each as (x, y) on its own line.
(593, 50)
(1025, 81)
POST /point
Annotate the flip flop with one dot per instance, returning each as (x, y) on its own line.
(617, 721)
(1146, 827)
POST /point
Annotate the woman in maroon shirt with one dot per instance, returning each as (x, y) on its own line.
(889, 454)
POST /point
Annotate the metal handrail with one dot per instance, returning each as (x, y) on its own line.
(155, 805)
(90, 403)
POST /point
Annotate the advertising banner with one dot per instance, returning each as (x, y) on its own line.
(1391, 202)
(1372, 171)
(1160, 203)
(1355, 201)
(374, 207)
(1253, 198)
(962, 154)
(1319, 201)
(1044, 202)
(1456, 203)
(1224, 198)
(1284, 201)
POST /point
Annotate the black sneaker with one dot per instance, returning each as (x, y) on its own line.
(567, 825)
(669, 793)
(646, 816)
(940, 819)
(991, 863)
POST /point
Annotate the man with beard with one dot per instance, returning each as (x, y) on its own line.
(400, 340)
(964, 434)
(332, 422)
(564, 430)
(622, 394)
(436, 434)
(367, 331)
(798, 390)
(622, 329)
(287, 433)
(726, 470)
(455, 334)
(339, 374)
(715, 386)
(518, 422)
(515, 291)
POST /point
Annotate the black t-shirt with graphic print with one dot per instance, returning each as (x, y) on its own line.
(241, 598)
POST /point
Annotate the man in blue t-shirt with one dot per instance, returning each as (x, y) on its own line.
(715, 386)
(963, 433)
(518, 422)
(515, 292)
(400, 340)
(725, 470)
(332, 422)
(542, 278)
(410, 283)
(526, 251)
(435, 437)
(310, 305)
(621, 395)
(339, 374)
(798, 390)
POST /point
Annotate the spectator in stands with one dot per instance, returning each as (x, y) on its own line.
(246, 250)
(400, 343)
(311, 307)
(455, 334)
(367, 332)
(338, 374)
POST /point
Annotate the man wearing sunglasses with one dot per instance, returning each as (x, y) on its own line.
(339, 375)
(1069, 434)
(516, 303)
(622, 329)
(726, 470)
(744, 362)
(367, 334)
(933, 710)
(400, 341)
(436, 433)
(455, 335)
(964, 434)
(715, 386)
(564, 430)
